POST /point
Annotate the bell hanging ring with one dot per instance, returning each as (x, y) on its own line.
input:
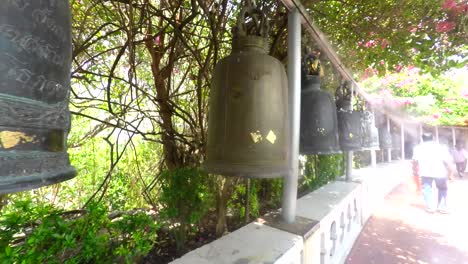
(248, 131)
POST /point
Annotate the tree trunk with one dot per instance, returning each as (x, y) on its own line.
(2, 199)
(224, 192)
(247, 200)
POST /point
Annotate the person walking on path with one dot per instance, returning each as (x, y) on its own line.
(459, 157)
(435, 164)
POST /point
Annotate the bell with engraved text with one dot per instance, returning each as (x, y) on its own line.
(370, 133)
(248, 133)
(319, 125)
(385, 138)
(35, 61)
(349, 120)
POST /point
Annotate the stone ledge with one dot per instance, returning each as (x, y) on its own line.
(251, 244)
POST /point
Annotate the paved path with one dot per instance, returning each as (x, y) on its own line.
(402, 232)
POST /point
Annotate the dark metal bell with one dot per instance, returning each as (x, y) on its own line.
(396, 140)
(385, 138)
(248, 132)
(35, 61)
(349, 121)
(319, 125)
(370, 133)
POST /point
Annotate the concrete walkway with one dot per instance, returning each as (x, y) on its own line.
(400, 231)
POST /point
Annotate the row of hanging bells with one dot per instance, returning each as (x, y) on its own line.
(248, 125)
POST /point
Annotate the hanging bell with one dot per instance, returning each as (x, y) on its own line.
(349, 121)
(385, 138)
(248, 132)
(319, 125)
(370, 133)
(396, 140)
(35, 61)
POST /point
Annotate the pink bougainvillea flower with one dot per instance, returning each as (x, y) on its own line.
(398, 68)
(450, 99)
(461, 8)
(371, 43)
(449, 4)
(382, 62)
(376, 101)
(413, 29)
(413, 70)
(448, 110)
(157, 40)
(445, 26)
(464, 93)
(409, 101)
(436, 116)
(384, 44)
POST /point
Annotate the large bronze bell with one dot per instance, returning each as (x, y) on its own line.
(248, 132)
(396, 140)
(319, 125)
(385, 138)
(370, 133)
(349, 120)
(35, 60)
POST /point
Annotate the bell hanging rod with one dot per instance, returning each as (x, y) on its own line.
(323, 43)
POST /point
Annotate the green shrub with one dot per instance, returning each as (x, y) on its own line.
(43, 234)
(322, 169)
(185, 199)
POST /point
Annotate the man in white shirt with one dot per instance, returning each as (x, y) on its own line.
(435, 164)
(459, 157)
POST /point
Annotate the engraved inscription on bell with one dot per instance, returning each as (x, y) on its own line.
(35, 61)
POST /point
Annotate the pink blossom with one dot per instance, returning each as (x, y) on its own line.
(464, 93)
(384, 44)
(375, 100)
(448, 110)
(389, 79)
(449, 4)
(370, 43)
(398, 68)
(157, 40)
(445, 26)
(436, 116)
(413, 29)
(382, 62)
(413, 70)
(450, 99)
(462, 8)
(409, 101)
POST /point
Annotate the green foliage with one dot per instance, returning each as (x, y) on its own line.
(37, 233)
(383, 36)
(436, 100)
(322, 169)
(185, 198)
(237, 203)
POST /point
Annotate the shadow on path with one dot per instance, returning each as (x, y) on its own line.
(402, 232)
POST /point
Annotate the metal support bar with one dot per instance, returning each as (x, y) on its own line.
(294, 81)
(454, 137)
(389, 151)
(420, 133)
(349, 165)
(373, 155)
(319, 37)
(402, 131)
